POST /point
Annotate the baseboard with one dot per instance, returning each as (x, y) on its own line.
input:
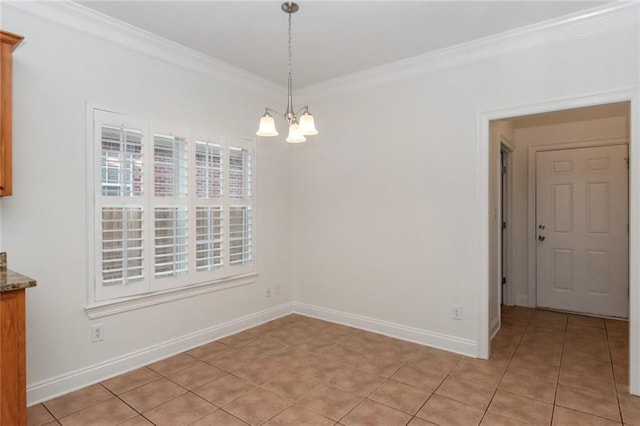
(50, 388)
(411, 334)
(494, 327)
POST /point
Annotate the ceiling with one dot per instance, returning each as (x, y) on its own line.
(330, 38)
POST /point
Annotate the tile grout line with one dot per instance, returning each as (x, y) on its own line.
(127, 404)
(366, 396)
(555, 394)
(506, 368)
(581, 389)
(615, 381)
(49, 411)
(198, 396)
(438, 387)
(164, 376)
(57, 419)
(231, 414)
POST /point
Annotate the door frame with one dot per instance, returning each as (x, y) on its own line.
(483, 167)
(506, 206)
(532, 279)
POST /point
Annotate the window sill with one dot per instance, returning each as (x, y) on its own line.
(112, 307)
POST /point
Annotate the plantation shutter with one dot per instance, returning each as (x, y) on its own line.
(209, 212)
(208, 238)
(208, 170)
(170, 243)
(240, 223)
(119, 206)
(122, 249)
(170, 212)
(167, 213)
(121, 161)
(240, 250)
(170, 166)
(239, 173)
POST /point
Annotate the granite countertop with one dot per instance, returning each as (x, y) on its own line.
(10, 281)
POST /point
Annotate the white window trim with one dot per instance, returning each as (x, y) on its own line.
(205, 281)
(116, 306)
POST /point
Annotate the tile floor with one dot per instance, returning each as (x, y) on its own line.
(545, 368)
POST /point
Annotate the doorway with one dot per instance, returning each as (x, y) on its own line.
(524, 269)
(524, 292)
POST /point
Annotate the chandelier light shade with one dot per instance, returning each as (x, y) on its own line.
(298, 127)
(307, 125)
(267, 125)
(294, 134)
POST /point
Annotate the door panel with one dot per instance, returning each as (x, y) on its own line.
(582, 229)
(563, 208)
(597, 276)
(562, 269)
(597, 208)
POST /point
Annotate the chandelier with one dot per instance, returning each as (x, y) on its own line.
(301, 126)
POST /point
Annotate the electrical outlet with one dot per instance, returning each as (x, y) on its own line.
(456, 312)
(268, 291)
(277, 288)
(97, 333)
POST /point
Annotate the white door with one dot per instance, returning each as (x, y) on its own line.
(582, 230)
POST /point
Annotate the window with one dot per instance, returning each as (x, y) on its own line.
(169, 213)
(121, 161)
(208, 238)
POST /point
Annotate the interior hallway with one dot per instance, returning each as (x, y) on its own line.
(546, 368)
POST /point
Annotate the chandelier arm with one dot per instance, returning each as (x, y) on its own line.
(303, 108)
(275, 111)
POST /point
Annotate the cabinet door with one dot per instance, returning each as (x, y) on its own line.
(8, 42)
(13, 379)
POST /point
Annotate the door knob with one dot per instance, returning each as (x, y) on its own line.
(541, 237)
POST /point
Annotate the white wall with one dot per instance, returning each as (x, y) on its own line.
(56, 71)
(386, 207)
(602, 125)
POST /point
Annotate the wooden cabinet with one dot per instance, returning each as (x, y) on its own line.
(13, 368)
(8, 42)
(13, 378)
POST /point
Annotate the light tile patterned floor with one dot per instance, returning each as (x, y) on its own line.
(546, 368)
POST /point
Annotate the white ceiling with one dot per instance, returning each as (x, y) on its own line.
(330, 38)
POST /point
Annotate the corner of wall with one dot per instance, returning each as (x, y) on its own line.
(424, 337)
(50, 388)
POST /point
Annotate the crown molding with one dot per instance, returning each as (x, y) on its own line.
(578, 25)
(90, 22)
